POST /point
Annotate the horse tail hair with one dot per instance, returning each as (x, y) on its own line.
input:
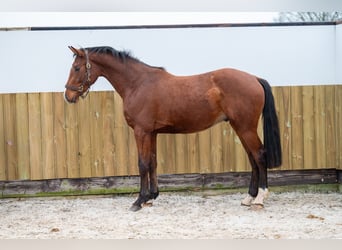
(271, 129)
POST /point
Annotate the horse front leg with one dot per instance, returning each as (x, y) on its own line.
(144, 142)
(144, 194)
(153, 169)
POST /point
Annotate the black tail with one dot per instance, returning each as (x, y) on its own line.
(271, 128)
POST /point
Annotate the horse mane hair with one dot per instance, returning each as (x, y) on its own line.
(121, 55)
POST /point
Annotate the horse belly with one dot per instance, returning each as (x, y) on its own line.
(197, 113)
(194, 121)
(221, 118)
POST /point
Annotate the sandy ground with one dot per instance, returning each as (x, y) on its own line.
(204, 215)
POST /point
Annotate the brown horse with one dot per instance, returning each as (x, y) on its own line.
(156, 101)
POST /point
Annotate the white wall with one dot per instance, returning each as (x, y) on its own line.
(39, 61)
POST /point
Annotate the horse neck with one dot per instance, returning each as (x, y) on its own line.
(124, 76)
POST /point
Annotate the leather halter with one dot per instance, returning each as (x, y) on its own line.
(86, 81)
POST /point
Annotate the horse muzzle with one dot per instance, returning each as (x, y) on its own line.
(68, 99)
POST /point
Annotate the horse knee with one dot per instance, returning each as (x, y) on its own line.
(262, 157)
(144, 166)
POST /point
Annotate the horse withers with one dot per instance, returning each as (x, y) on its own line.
(155, 101)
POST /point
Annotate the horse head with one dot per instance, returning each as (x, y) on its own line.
(82, 75)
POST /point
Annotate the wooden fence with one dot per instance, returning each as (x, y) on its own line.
(42, 137)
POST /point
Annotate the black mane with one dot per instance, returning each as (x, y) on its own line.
(121, 55)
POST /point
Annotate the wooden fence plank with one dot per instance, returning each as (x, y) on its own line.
(204, 151)
(216, 149)
(171, 154)
(132, 152)
(228, 148)
(3, 162)
(60, 146)
(297, 128)
(84, 142)
(96, 126)
(180, 154)
(239, 156)
(193, 160)
(35, 136)
(330, 127)
(121, 139)
(71, 138)
(47, 136)
(338, 124)
(283, 106)
(108, 134)
(22, 136)
(161, 152)
(308, 128)
(319, 123)
(166, 157)
(9, 108)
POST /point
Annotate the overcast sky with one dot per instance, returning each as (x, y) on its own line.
(48, 19)
(47, 13)
(170, 5)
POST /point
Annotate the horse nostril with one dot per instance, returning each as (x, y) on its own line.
(67, 100)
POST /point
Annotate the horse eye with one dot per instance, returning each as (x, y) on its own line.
(77, 69)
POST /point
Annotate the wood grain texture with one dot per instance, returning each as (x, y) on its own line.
(167, 182)
(42, 137)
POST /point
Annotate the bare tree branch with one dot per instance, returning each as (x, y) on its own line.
(309, 17)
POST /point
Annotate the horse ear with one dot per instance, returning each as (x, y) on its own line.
(76, 52)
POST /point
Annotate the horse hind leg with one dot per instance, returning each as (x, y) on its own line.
(253, 185)
(263, 192)
(258, 191)
(258, 201)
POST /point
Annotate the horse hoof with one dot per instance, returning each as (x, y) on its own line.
(135, 208)
(147, 204)
(247, 201)
(256, 206)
